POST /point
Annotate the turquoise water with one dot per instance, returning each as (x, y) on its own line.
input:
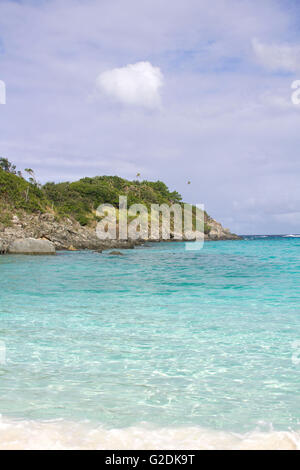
(160, 335)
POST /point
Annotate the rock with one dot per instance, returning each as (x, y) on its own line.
(71, 248)
(218, 232)
(64, 233)
(3, 248)
(116, 253)
(47, 217)
(191, 235)
(31, 246)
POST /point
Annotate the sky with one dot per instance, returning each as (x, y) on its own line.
(195, 91)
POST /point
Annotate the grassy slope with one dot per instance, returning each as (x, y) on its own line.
(17, 194)
(81, 198)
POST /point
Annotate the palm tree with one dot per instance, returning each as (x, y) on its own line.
(32, 178)
(30, 172)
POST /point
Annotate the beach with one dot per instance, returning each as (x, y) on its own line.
(60, 435)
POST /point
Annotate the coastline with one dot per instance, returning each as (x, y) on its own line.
(66, 435)
(68, 234)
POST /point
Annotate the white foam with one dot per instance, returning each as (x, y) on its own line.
(67, 435)
(291, 236)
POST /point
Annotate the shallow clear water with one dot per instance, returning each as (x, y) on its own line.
(161, 336)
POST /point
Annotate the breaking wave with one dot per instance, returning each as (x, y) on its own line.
(61, 434)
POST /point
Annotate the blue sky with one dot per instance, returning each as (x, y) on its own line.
(194, 91)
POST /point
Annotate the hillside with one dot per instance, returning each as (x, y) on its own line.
(17, 194)
(80, 199)
(70, 207)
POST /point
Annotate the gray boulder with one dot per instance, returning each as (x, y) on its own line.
(2, 248)
(31, 246)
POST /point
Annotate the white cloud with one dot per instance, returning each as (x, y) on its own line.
(276, 56)
(136, 84)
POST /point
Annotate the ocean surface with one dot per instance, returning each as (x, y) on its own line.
(159, 348)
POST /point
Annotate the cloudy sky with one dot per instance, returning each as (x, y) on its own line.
(180, 91)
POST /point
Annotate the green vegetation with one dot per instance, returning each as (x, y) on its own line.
(79, 199)
(207, 228)
(17, 193)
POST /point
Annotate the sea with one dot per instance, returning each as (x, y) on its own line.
(160, 348)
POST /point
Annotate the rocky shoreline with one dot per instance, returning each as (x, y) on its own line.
(67, 234)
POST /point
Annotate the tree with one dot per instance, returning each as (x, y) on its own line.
(7, 166)
(30, 172)
(32, 178)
